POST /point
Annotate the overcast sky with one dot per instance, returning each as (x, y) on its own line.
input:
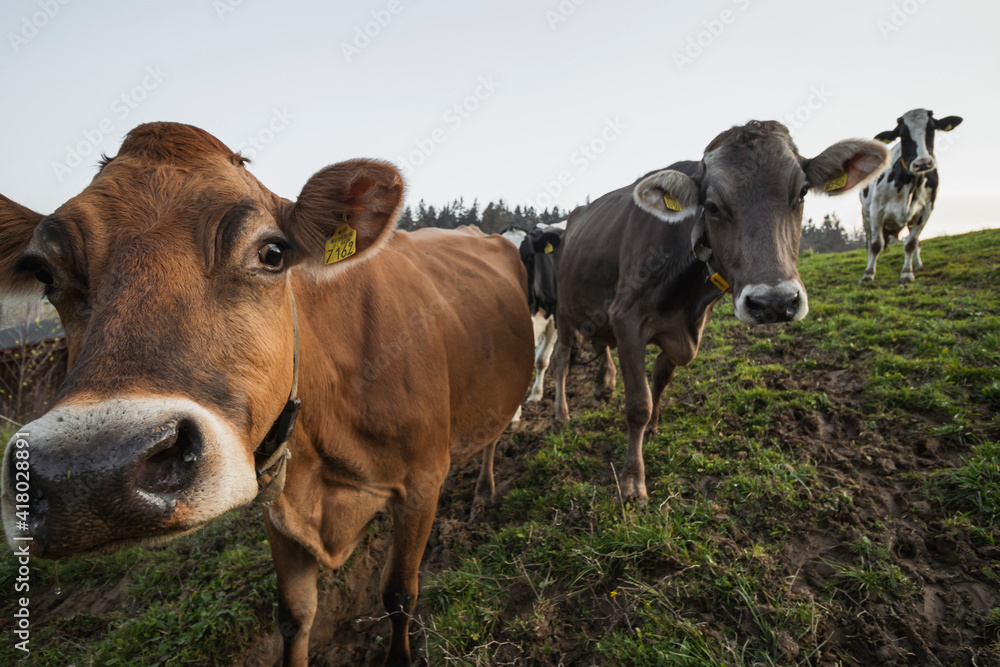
(535, 102)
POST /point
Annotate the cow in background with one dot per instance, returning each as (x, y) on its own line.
(647, 263)
(903, 196)
(537, 247)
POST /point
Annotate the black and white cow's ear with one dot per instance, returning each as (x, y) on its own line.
(668, 194)
(846, 165)
(345, 212)
(947, 124)
(888, 136)
(546, 243)
(17, 225)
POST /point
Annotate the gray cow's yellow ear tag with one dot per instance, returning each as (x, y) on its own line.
(888, 141)
(948, 129)
(548, 249)
(671, 203)
(836, 182)
(341, 245)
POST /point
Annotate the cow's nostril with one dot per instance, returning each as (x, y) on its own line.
(792, 307)
(171, 461)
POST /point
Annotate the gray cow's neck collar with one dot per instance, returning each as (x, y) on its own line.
(703, 251)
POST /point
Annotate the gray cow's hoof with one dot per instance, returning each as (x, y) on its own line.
(633, 490)
(868, 277)
(906, 278)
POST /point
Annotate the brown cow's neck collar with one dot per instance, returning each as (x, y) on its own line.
(701, 249)
(274, 448)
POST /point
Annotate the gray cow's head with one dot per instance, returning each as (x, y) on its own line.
(916, 131)
(750, 187)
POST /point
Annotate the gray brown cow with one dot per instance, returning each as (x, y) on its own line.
(646, 263)
(189, 292)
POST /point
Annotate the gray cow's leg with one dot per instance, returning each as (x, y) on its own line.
(296, 570)
(604, 384)
(912, 262)
(663, 373)
(638, 409)
(560, 369)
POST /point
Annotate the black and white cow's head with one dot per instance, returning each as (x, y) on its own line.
(916, 130)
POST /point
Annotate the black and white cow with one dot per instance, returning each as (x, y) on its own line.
(903, 195)
(537, 247)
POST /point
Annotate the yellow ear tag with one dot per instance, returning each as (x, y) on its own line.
(947, 129)
(720, 282)
(671, 203)
(548, 248)
(888, 141)
(341, 245)
(836, 182)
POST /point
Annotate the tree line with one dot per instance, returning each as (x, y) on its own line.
(826, 236)
(493, 219)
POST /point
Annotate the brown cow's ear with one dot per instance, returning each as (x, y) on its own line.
(17, 224)
(669, 195)
(846, 165)
(345, 212)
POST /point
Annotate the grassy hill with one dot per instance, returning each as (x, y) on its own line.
(821, 493)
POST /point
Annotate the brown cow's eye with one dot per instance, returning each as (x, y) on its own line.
(271, 256)
(803, 193)
(43, 275)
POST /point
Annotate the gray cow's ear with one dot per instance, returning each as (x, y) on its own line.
(345, 212)
(669, 195)
(17, 225)
(846, 165)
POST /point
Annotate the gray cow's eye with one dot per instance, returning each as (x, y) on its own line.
(803, 193)
(712, 208)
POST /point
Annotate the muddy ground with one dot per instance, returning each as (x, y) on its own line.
(940, 625)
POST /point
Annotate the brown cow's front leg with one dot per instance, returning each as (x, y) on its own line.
(638, 408)
(411, 526)
(297, 570)
(663, 373)
(485, 486)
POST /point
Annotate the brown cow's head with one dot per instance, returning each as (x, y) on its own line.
(750, 186)
(171, 273)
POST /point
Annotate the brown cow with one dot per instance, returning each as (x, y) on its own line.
(174, 273)
(646, 263)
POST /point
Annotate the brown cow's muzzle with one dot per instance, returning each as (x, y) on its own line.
(105, 476)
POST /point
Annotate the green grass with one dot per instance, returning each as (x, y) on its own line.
(761, 475)
(699, 576)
